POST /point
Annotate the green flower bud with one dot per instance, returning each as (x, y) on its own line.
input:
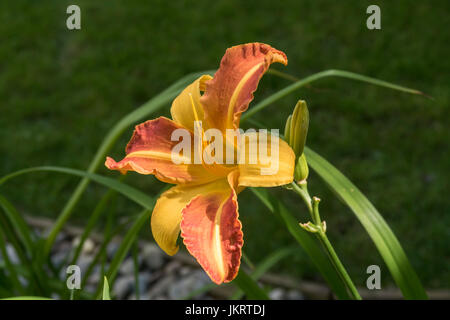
(299, 127)
(287, 129)
(295, 133)
(310, 227)
(296, 128)
(324, 226)
(301, 170)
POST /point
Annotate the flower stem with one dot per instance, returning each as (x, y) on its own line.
(313, 207)
(338, 265)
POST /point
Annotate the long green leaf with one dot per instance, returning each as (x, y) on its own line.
(249, 286)
(264, 266)
(377, 228)
(9, 266)
(27, 298)
(195, 293)
(128, 191)
(19, 224)
(135, 252)
(320, 75)
(37, 276)
(308, 243)
(26, 236)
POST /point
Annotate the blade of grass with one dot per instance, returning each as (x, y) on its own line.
(53, 284)
(36, 274)
(18, 223)
(381, 234)
(135, 252)
(247, 261)
(199, 291)
(105, 294)
(264, 266)
(7, 288)
(133, 194)
(249, 286)
(110, 221)
(22, 234)
(9, 266)
(27, 298)
(320, 75)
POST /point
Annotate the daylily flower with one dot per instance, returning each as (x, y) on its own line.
(203, 204)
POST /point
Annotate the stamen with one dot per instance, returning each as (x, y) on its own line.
(212, 168)
(193, 108)
(201, 145)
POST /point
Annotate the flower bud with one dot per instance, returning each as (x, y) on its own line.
(299, 127)
(287, 129)
(310, 227)
(301, 170)
(295, 133)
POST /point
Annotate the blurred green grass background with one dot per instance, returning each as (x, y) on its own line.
(61, 91)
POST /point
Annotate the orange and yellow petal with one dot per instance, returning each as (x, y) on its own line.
(182, 109)
(212, 232)
(166, 216)
(150, 152)
(261, 168)
(228, 94)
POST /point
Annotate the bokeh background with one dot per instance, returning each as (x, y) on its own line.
(61, 91)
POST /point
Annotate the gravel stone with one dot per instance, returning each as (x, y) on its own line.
(88, 245)
(84, 262)
(58, 258)
(188, 284)
(172, 267)
(152, 256)
(184, 271)
(95, 276)
(123, 287)
(144, 281)
(12, 254)
(276, 294)
(127, 266)
(161, 286)
(294, 295)
(111, 249)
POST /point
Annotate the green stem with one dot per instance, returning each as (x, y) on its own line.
(338, 264)
(315, 211)
(303, 193)
(313, 208)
